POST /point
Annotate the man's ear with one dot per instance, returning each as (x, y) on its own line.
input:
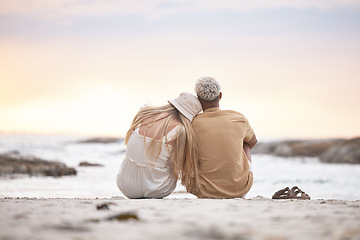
(220, 95)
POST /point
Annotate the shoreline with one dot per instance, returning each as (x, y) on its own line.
(178, 218)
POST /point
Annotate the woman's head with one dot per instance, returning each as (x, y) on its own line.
(182, 146)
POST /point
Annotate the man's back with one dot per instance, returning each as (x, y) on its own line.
(223, 166)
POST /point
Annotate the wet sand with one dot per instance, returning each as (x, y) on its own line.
(120, 218)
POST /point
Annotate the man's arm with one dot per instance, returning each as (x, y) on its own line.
(252, 142)
(248, 145)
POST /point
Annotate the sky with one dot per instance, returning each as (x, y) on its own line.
(87, 66)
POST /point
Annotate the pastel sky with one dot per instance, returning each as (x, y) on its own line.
(87, 66)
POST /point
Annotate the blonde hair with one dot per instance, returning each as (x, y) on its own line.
(184, 148)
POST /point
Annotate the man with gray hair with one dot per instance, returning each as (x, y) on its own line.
(224, 139)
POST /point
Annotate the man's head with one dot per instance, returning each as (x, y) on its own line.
(208, 91)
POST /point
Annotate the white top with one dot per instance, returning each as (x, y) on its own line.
(141, 177)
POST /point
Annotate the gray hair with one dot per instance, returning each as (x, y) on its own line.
(207, 88)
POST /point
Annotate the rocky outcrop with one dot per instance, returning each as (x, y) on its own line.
(332, 150)
(294, 148)
(87, 164)
(345, 152)
(15, 163)
(102, 140)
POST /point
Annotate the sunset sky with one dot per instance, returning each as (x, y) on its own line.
(87, 66)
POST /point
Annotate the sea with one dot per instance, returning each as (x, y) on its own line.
(319, 180)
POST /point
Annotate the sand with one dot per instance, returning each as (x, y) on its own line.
(256, 218)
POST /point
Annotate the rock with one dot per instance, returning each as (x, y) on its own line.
(294, 148)
(331, 150)
(124, 216)
(345, 152)
(87, 164)
(102, 140)
(103, 206)
(15, 163)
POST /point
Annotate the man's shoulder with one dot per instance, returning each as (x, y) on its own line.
(231, 112)
(219, 113)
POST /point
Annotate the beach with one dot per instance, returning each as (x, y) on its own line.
(178, 218)
(89, 205)
(77, 76)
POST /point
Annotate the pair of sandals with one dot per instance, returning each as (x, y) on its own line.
(293, 193)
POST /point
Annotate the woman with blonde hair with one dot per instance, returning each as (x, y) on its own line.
(161, 149)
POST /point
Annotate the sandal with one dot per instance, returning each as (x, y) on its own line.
(295, 191)
(282, 194)
(292, 193)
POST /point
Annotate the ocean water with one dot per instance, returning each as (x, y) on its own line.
(319, 180)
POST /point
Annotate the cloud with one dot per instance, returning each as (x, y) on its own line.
(264, 4)
(65, 8)
(153, 8)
